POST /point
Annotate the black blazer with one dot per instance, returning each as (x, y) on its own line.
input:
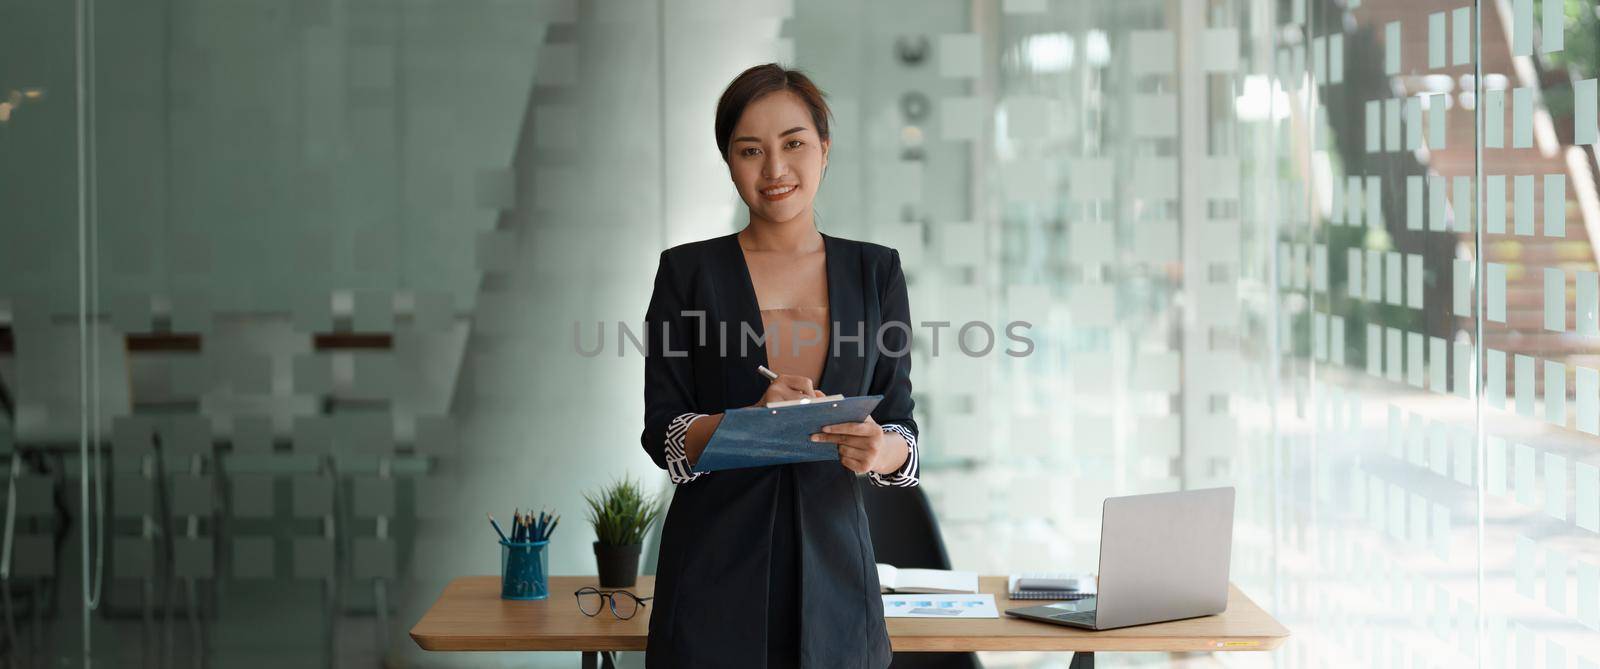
(712, 574)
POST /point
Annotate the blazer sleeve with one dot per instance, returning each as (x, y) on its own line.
(668, 375)
(891, 376)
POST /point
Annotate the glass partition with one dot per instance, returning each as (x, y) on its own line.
(316, 284)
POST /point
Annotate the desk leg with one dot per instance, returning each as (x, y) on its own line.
(599, 660)
(1082, 660)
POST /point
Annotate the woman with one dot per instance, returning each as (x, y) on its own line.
(773, 566)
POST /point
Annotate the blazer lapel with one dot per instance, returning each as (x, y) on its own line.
(842, 373)
(741, 307)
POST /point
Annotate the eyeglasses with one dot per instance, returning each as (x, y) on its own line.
(624, 604)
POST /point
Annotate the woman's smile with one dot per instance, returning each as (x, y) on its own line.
(778, 192)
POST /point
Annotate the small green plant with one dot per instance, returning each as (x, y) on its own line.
(621, 513)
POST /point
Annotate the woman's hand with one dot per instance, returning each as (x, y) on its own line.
(788, 387)
(864, 446)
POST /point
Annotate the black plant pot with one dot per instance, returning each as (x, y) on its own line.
(619, 565)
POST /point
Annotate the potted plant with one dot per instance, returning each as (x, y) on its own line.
(621, 515)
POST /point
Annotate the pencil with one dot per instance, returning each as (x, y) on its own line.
(497, 529)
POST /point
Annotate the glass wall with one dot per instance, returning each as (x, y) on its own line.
(1537, 267)
(290, 293)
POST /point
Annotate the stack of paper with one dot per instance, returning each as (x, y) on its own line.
(892, 579)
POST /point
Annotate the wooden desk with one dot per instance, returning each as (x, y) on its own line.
(471, 616)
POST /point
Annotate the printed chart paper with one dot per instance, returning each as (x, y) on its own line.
(940, 606)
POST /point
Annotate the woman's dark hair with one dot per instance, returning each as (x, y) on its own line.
(758, 81)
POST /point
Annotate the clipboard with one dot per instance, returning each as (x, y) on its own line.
(762, 436)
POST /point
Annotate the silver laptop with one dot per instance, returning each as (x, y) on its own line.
(1162, 557)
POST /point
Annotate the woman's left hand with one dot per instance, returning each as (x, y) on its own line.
(863, 446)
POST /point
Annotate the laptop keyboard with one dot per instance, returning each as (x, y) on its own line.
(1085, 617)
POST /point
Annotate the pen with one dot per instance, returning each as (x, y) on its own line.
(771, 375)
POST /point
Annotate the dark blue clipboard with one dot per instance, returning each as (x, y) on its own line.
(761, 436)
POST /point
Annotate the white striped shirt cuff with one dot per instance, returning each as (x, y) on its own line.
(678, 468)
(906, 475)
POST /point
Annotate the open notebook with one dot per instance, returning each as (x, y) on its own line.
(925, 581)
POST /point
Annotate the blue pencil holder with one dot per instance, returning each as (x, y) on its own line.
(524, 570)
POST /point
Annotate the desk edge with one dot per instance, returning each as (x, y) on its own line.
(916, 644)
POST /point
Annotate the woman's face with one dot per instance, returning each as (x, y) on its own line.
(776, 158)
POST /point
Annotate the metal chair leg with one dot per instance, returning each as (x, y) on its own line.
(331, 644)
(167, 650)
(380, 600)
(12, 640)
(1082, 660)
(152, 647)
(11, 626)
(198, 641)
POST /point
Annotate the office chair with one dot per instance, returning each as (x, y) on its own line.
(906, 534)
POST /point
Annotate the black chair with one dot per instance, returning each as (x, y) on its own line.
(906, 534)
